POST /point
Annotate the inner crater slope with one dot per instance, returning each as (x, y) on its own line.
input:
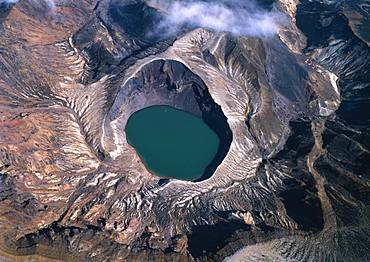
(170, 83)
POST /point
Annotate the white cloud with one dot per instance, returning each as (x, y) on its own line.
(227, 15)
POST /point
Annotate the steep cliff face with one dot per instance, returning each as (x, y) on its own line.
(291, 169)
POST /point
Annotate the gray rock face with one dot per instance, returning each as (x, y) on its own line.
(290, 180)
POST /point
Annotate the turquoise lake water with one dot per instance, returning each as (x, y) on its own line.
(172, 142)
